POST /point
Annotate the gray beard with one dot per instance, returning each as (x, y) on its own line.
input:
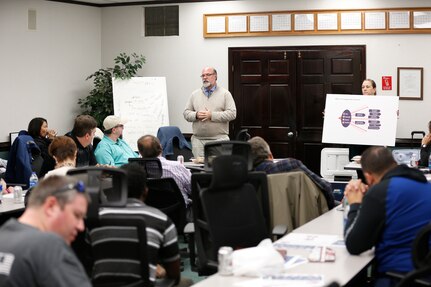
(206, 84)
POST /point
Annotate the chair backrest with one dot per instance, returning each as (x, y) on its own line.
(166, 135)
(218, 148)
(106, 186)
(22, 155)
(421, 257)
(421, 253)
(243, 135)
(152, 166)
(178, 150)
(232, 213)
(119, 247)
(294, 199)
(206, 263)
(165, 195)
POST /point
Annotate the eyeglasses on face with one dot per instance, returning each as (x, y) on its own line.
(79, 187)
(207, 75)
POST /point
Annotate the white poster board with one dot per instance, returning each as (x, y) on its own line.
(357, 119)
(143, 101)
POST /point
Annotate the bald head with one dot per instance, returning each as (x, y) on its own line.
(377, 160)
(149, 146)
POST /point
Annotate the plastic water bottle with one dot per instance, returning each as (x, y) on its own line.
(346, 209)
(33, 180)
(414, 160)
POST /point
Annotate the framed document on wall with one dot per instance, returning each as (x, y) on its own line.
(410, 84)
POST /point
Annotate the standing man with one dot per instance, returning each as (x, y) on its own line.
(149, 147)
(389, 214)
(112, 150)
(210, 109)
(35, 249)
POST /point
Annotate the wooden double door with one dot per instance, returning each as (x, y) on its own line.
(280, 93)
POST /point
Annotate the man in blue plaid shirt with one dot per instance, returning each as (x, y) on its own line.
(264, 161)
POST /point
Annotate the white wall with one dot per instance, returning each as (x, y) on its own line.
(181, 58)
(43, 72)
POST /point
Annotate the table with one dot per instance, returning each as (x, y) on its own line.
(9, 206)
(344, 268)
(194, 166)
(353, 166)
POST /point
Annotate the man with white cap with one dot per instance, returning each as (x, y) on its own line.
(112, 150)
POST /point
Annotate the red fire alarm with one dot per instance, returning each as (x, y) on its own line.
(386, 83)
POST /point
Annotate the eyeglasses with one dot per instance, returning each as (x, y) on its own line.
(79, 187)
(206, 75)
(119, 126)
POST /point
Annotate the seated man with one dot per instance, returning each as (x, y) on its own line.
(82, 134)
(389, 214)
(149, 147)
(35, 248)
(161, 232)
(112, 150)
(264, 161)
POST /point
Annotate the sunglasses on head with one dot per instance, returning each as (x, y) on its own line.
(79, 187)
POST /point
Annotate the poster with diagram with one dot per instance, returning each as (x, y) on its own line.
(357, 119)
(143, 101)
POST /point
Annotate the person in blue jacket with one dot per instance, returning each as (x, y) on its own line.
(387, 213)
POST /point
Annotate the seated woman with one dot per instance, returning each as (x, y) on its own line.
(38, 130)
(63, 149)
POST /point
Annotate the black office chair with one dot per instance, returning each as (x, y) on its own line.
(230, 213)
(186, 152)
(153, 166)
(243, 135)
(119, 248)
(107, 187)
(421, 256)
(173, 143)
(218, 148)
(165, 195)
(201, 238)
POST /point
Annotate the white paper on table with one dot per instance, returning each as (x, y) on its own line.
(293, 260)
(308, 241)
(297, 280)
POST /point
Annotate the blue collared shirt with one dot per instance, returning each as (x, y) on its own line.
(209, 92)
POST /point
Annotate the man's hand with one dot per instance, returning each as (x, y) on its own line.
(426, 139)
(203, 115)
(355, 191)
(160, 271)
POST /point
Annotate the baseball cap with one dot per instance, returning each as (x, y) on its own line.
(112, 121)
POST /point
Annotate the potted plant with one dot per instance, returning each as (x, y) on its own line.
(99, 103)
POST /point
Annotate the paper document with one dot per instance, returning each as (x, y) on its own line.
(308, 241)
(297, 280)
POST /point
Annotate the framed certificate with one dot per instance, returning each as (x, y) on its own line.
(410, 84)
